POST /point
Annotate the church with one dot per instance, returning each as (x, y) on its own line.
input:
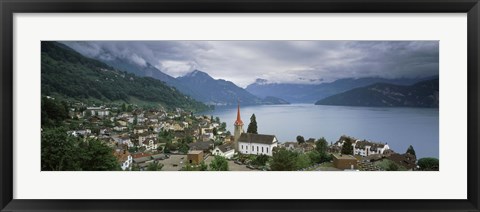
(250, 143)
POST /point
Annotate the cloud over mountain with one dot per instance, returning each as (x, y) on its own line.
(304, 62)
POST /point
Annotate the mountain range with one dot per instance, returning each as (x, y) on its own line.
(310, 93)
(204, 88)
(67, 74)
(421, 94)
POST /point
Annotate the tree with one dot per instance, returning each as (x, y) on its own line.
(321, 145)
(302, 161)
(223, 126)
(203, 166)
(133, 149)
(392, 166)
(53, 112)
(219, 163)
(315, 156)
(252, 127)
(214, 131)
(428, 164)
(260, 160)
(300, 139)
(159, 148)
(62, 152)
(135, 121)
(347, 148)
(166, 149)
(183, 148)
(411, 151)
(283, 160)
(97, 156)
(58, 150)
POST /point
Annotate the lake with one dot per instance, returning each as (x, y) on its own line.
(399, 127)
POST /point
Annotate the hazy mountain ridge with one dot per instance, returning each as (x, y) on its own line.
(421, 94)
(69, 74)
(310, 93)
(198, 85)
(217, 91)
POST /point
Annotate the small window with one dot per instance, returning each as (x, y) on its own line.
(252, 148)
(257, 148)
(262, 149)
(267, 149)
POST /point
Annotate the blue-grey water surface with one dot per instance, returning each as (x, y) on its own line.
(399, 127)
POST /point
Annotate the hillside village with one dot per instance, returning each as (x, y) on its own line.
(150, 139)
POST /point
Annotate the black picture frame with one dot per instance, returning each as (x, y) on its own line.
(9, 7)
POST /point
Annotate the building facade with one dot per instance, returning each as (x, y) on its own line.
(256, 144)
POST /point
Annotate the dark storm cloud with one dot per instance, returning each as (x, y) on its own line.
(278, 61)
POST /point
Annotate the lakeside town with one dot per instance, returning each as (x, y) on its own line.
(158, 139)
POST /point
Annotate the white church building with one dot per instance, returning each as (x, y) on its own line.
(256, 144)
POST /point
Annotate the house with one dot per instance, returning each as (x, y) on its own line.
(142, 159)
(122, 122)
(124, 158)
(256, 144)
(363, 148)
(344, 161)
(98, 111)
(123, 139)
(366, 148)
(195, 156)
(201, 145)
(140, 129)
(290, 145)
(83, 133)
(120, 128)
(225, 150)
(150, 144)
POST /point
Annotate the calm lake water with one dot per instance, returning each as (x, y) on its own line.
(399, 127)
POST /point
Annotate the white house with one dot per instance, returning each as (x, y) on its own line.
(124, 158)
(225, 150)
(150, 144)
(99, 111)
(123, 139)
(366, 148)
(256, 144)
(77, 133)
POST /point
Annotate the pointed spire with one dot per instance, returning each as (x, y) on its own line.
(239, 120)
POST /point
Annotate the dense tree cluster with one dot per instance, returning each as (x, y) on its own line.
(53, 112)
(428, 164)
(63, 152)
(219, 163)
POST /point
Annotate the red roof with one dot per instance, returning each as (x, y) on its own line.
(140, 155)
(239, 120)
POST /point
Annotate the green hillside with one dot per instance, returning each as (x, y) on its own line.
(68, 74)
(421, 94)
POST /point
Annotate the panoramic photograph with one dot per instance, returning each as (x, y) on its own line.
(279, 105)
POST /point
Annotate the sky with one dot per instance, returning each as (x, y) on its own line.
(301, 62)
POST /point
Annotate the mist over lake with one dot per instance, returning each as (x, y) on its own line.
(399, 127)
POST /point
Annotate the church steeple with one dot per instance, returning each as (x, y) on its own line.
(238, 127)
(239, 120)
